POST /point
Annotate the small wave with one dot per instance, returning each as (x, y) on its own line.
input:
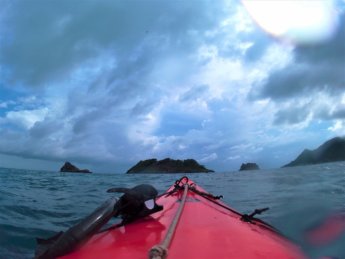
(39, 204)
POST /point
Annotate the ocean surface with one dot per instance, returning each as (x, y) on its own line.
(39, 203)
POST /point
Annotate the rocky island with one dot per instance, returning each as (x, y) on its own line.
(68, 167)
(167, 166)
(332, 150)
(249, 166)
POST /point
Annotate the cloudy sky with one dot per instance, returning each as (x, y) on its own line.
(104, 84)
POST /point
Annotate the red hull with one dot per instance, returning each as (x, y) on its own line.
(205, 230)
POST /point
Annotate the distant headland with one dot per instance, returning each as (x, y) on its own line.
(68, 167)
(332, 150)
(249, 166)
(167, 166)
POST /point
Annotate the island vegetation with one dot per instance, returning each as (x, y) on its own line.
(332, 150)
(70, 168)
(249, 166)
(168, 165)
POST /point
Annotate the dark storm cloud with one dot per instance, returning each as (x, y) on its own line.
(292, 115)
(44, 129)
(194, 92)
(49, 38)
(317, 71)
(325, 110)
(303, 79)
(339, 114)
(124, 80)
(110, 60)
(261, 42)
(318, 67)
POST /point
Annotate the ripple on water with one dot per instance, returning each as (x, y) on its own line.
(38, 204)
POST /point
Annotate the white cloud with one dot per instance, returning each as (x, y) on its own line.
(26, 118)
(6, 104)
(234, 157)
(338, 127)
(208, 158)
(179, 80)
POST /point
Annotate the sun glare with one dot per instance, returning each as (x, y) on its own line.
(299, 22)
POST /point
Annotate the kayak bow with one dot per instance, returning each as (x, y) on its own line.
(192, 224)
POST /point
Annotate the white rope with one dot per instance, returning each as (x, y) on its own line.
(161, 251)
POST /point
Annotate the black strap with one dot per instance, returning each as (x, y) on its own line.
(250, 217)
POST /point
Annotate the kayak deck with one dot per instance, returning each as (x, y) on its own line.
(204, 230)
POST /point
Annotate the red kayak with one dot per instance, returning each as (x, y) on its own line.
(193, 224)
(184, 222)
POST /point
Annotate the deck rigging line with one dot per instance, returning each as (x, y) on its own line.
(161, 251)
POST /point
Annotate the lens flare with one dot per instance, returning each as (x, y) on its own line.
(299, 22)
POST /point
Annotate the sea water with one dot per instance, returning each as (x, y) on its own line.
(39, 203)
